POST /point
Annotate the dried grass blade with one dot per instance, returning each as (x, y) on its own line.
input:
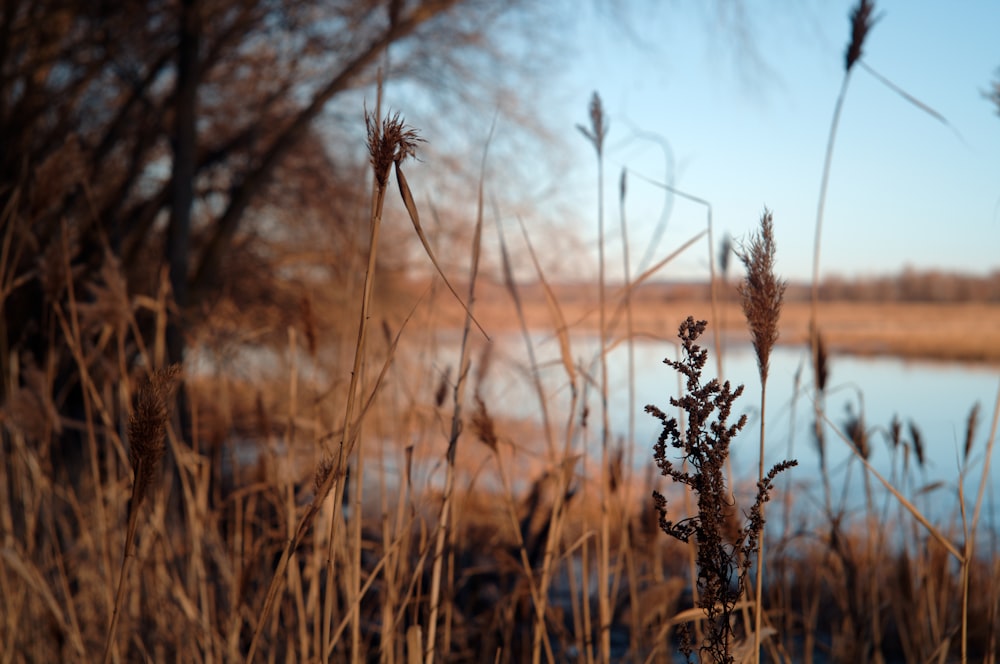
(30, 574)
(907, 96)
(562, 331)
(511, 285)
(411, 208)
(390, 354)
(659, 265)
(910, 507)
(620, 294)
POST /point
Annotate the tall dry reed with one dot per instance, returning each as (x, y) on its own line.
(147, 430)
(762, 293)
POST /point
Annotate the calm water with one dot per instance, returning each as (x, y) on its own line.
(935, 397)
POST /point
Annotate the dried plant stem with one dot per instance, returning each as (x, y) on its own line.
(557, 516)
(820, 208)
(596, 133)
(711, 258)
(147, 428)
(604, 556)
(458, 398)
(536, 376)
(375, 226)
(355, 541)
(536, 596)
(629, 332)
(862, 19)
(762, 294)
(970, 533)
(903, 501)
(630, 441)
(133, 520)
(759, 588)
(388, 144)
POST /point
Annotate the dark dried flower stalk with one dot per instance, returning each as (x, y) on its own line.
(723, 562)
(762, 292)
(862, 20)
(147, 428)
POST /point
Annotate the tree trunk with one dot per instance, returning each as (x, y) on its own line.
(184, 140)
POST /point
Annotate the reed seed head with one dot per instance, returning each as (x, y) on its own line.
(862, 20)
(854, 427)
(389, 142)
(323, 470)
(895, 431)
(147, 427)
(598, 129)
(821, 361)
(483, 425)
(918, 443)
(970, 429)
(762, 292)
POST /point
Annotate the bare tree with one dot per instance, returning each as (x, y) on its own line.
(180, 133)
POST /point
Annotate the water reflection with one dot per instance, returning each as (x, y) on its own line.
(935, 398)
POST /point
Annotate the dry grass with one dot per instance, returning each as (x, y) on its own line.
(361, 500)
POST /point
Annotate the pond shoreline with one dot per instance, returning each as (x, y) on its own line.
(948, 332)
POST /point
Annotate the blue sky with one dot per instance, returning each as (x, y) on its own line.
(745, 108)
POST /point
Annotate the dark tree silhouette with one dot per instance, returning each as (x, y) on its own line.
(152, 135)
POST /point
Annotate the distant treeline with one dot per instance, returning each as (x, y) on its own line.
(909, 286)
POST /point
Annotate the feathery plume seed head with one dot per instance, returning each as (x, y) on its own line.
(862, 19)
(762, 292)
(389, 142)
(147, 427)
